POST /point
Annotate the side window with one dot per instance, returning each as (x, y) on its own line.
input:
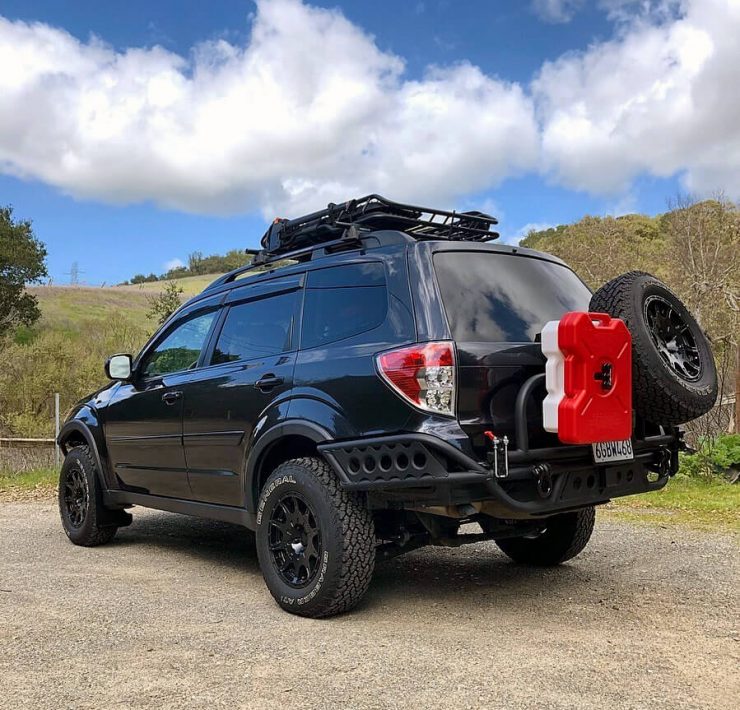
(180, 349)
(343, 301)
(256, 329)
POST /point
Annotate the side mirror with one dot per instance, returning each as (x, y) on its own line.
(118, 367)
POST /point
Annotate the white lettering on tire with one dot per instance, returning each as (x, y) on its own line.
(280, 480)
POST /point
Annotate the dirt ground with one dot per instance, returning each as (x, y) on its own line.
(174, 613)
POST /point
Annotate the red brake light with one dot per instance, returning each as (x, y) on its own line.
(423, 374)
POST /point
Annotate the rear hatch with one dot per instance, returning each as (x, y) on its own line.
(496, 305)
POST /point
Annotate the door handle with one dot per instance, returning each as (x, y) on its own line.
(171, 397)
(267, 382)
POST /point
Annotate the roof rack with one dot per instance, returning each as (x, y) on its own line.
(376, 212)
(341, 225)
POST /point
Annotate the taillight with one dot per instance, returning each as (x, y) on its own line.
(423, 374)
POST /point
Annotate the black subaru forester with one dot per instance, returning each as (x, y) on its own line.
(370, 383)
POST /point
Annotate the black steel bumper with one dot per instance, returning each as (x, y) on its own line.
(515, 484)
(413, 463)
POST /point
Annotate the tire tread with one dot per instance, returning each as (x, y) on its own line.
(96, 534)
(654, 400)
(358, 544)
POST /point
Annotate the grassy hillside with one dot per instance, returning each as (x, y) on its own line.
(64, 352)
(191, 285)
(64, 308)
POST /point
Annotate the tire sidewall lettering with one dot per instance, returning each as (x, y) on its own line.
(280, 481)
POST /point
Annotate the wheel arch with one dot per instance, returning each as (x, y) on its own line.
(281, 443)
(78, 433)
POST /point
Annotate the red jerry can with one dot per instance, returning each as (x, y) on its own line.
(588, 378)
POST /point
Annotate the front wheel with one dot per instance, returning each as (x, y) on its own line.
(85, 519)
(564, 537)
(315, 541)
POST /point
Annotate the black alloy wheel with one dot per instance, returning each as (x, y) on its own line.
(76, 496)
(315, 540)
(673, 339)
(85, 519)
(294, 540)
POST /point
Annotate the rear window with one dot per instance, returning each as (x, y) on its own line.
(491, 297)
(256, 329)
(343, 301)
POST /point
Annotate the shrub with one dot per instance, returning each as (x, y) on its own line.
(719, 456)
(69, 362)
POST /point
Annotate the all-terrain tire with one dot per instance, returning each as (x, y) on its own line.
(342, 540)
(85, 519)
(564, 537)
(662, 393)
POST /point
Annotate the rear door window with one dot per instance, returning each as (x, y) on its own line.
(494, 297)
(343, 301)
(256, 329)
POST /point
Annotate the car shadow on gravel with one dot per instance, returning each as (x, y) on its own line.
(231, 545)
(482, 572)
(455, 576)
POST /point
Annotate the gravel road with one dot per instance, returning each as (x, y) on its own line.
(174, 613)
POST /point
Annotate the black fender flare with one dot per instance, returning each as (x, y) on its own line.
(75, 426)
(267, 440)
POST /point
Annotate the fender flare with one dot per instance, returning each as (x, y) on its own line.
(262, 446)
(77, 426)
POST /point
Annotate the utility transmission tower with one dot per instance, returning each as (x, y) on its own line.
(74, 274)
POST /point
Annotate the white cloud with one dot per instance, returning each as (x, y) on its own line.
(556, 11)
(310, 111)
(661, 98)
(173, 264)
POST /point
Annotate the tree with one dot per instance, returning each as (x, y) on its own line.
(703, 240)
(600, 248)
(22, 262)
(164, 304)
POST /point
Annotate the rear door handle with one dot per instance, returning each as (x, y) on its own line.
(267, 382)
(171, 397)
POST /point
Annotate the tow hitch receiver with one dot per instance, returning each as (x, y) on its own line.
(588, 376)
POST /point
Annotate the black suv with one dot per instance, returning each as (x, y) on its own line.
(370, 383)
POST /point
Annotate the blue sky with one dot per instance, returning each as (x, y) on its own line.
(559, 111)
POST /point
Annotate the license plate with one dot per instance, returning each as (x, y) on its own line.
(608, 451)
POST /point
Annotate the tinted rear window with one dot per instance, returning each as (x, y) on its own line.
(256, 329)
(492, 297)
(343, 301)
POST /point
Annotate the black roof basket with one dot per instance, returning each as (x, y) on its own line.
(375, 212)
(341, 225)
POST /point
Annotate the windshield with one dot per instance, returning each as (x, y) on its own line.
(494, 297)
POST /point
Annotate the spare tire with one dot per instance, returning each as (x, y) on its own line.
(674, 379)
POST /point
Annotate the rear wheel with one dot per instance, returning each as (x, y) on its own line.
(85, 519)
(315, 541)
(564, 537)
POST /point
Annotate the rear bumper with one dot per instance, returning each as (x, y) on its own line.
(418, 466)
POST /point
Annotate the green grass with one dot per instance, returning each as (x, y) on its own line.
(36, 482)
(711, 504)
